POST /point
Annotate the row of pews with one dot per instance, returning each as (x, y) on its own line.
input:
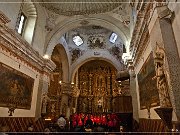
(21, 124)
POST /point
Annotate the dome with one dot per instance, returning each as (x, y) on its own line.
(80, 7)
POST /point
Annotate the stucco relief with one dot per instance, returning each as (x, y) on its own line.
(12, 43)
(96, 42)
(45, 100)
(117, 52)
(162, 84)
(75, 54)
(50, 20)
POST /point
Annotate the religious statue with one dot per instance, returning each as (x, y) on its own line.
(100, 103)
(161, 79)
(45, 99)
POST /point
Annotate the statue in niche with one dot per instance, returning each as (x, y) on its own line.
(53, 108)
(45, 99)
(100, 103)
(161, 78)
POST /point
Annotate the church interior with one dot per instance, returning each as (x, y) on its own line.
(113, 62)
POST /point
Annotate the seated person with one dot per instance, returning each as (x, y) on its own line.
(61, 123)
(89, 123)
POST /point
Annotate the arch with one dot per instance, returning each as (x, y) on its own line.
(29, 9)
(65, 62)
(105, 21)
(74, 68)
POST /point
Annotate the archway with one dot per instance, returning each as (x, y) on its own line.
(105, 21)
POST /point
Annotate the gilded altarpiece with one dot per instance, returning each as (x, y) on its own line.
(147, 84)
(54, 93)
(96, 84)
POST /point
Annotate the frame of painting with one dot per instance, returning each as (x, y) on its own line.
(15, 88)
(148, 91)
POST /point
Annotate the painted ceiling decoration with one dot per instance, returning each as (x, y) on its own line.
(91, 30)
(96, 39)
(75, 54)
(96, 42)
(80, 7)
(117, 51)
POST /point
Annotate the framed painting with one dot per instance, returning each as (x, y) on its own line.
(15, 88)
(147, 84)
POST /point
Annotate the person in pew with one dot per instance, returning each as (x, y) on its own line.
(30, 128)
(89, 123)
(61, 123)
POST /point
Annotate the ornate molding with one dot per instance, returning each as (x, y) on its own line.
(67, 88)
(83, 7)
(140, 34)
(3, 18)
(162, 84)
(13, 44)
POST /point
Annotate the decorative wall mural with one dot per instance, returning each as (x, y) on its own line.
(147, 85)
(116, 51)
(15, 88)
(96, 42)
(75, 54)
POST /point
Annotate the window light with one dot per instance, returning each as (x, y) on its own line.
(21, 23)
(77, 40)
(113, 38)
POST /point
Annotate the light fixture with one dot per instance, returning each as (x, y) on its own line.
(46, 56)
(60, 82)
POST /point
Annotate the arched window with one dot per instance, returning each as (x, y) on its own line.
(26, 21)
(78, 40)
(113, 37)
(22, 22)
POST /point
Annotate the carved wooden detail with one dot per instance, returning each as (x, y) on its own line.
(98, 86)
(3, 18)
(54, 96)
(162, 84)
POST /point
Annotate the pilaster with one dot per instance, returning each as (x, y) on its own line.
(133, 91)
(166, 40)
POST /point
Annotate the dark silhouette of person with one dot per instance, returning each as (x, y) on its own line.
(89, 122)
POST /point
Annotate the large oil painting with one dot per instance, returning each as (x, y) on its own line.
(147, 84)
(15, 88)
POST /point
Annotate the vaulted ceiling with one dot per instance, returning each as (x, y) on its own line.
(80, 7)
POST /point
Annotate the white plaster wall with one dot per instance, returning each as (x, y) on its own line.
(14, 63)
(29, 30)
(11, 10)
(40, 31)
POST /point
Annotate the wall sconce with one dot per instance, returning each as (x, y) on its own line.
(46, 56)
(11, 110)
(60, 82)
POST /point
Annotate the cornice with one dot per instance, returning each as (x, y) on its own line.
(140, 36)
(141, 32)
(12, 42)
(3, 18)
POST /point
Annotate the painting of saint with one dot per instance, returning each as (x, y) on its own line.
(15, 88)
(147, 85)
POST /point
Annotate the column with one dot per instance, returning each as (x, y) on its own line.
(133, 91)
(42, 92)
(166, 40)
(66, 90)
